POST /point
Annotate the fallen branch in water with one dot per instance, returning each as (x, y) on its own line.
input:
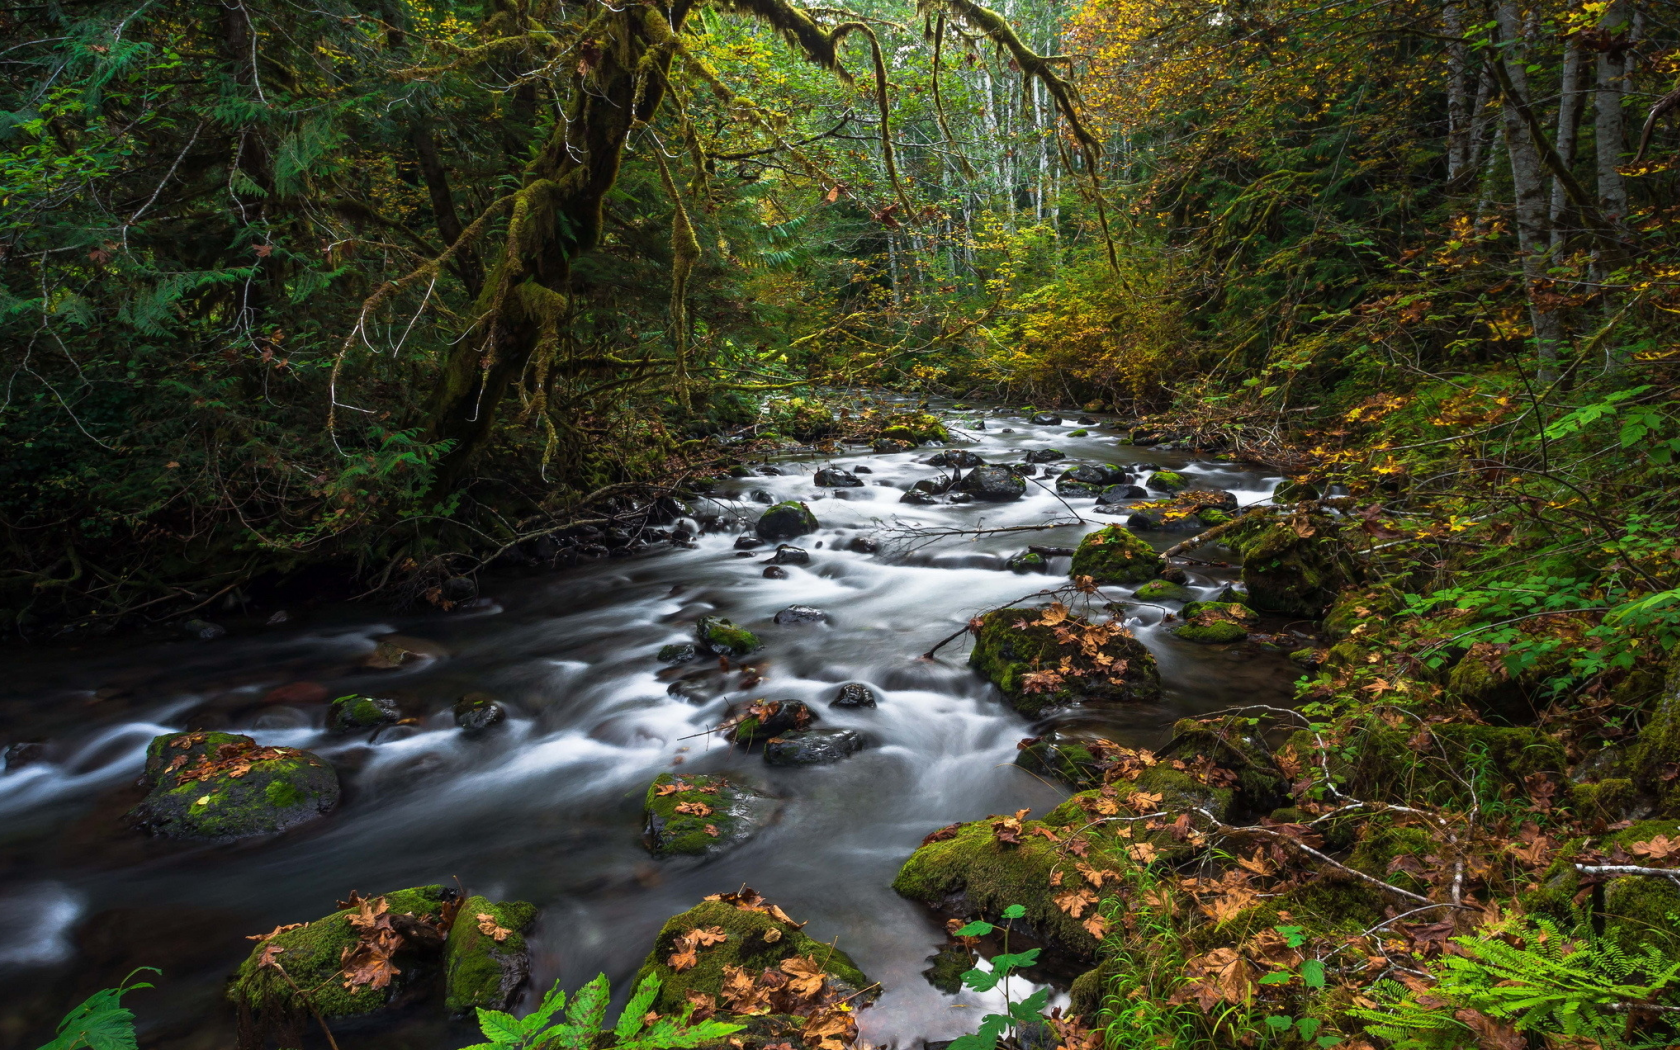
(1253, 513)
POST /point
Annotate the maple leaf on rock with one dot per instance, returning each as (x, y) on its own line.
(694, 809)
(832, 1029)
(1660, 847)
(1075, 901)
(488, 926)
(366, 964)
(805, 977)
(668, 789)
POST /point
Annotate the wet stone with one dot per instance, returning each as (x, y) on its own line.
(993, 485)
(1045, 455)
(918, 498)
(863, 545)
(747, 543)
(957, 457)
(203, 630)
(477, 712)
(349, 713)
(786, 555)
(786, 520)
(1047, 419)
(678, 653)
(760, 496)
(831, 477)
(775, 572)
(854, 694)
(795, 615)
(813, 747)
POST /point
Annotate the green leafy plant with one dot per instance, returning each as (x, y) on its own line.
(1311, 975)
(1537, 977)
(585, 1016)
(1017, 1015)
(101, 1022)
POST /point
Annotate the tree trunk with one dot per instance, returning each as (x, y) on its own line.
(555, 217)
(1607, 112)
(1458, 95)
(1570, 103)
(1530, 196)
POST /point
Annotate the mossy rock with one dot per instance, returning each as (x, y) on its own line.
(918, 428)
(1220, 632)
(1381, 842)
(755, 941)
(1085, 995)
(747, 726)
(1060, 757)
(1641, 910)
(1352, 609)
(737, 813)
(1162, 591)
(1325, 907)
(350, 713)
(973, 875)
(1211, 516)
(251, 790)
(1006, 655)
(1483, 682)
(1291, 491)
(1380, 763)
(1654, 752)
(722, 638)
(1027, 561)
(1078, 433)
(1166, 481)
(1214, 623)
(785, 521)
(1114, 554)
(1285, 572)
(312, 956)
(948, 967)
(480, 972)
(1260, 784)
(677, 653)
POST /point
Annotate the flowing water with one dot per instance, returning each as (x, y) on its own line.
(546, 807)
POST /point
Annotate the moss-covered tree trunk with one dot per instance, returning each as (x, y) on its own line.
(555, 217)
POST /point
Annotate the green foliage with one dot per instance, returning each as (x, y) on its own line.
(1536, 976)
(101, 1022)
(1018, 1014)
(585, 1017)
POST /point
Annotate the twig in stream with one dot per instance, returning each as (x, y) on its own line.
(923, 535)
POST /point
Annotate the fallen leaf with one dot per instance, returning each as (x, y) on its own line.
(488, 926)
(694, 809)
(1075, 901)
(805, 977)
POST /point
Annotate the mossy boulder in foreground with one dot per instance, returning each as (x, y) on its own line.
(754, 940)
(1113, 554)
(220, 786)
(485, 960)
(698, 813)
(313, 956)
(349, 713)
(1021, 652)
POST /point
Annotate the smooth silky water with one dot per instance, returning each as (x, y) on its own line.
(546, 807)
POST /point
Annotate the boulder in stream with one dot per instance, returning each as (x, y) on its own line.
(795, 615)
(956, 457)
(785, 521)
(834, 477)
(1047, 419)
(353, 712)
(758, 721)
(915, 428)
(1162, 591)
(1045, 455)
(813, 747)
(854, 694)
(1027, 561)
(678, 653)
(1113, 554)
(756, 936)
(1286, 572)
(786, 555)
(992, 485)
(397, 935)
(1214, 623)
(485, 961)
(476, 712)
(700, 813)
(1021, 652)
(222, 786)
(1166, 481)
(721, 637)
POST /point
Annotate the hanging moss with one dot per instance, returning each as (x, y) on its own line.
(1114, 554)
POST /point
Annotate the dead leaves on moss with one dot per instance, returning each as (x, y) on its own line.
(488, 926)
(234, 759)
(689, 945)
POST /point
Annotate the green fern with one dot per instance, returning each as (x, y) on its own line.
(1541, 980)
(584, 1020)
(101, 1022)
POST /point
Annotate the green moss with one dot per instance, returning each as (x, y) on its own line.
(918, 428)
(1211, 516)
(1029, 561)
(989, 876)
(270, 794)
(1078, 433)
(1217, 633)
(669, 833)
(1380, 763)
(1066, 760)
(1354, 608)
(1380, 843)
(755, 941)
(1325, 907)
(1286, 572)
(361, 712)
(1114, 554)
(1161, 591)
(312, 955)
(949, 965)
(1085, 995)
(1640, 910)
(478, 971)
(721, 636)
(1166, 481)
(1260, 784)
(1005, 655)
(1234, 609)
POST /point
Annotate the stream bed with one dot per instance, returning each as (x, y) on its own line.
(546, 807)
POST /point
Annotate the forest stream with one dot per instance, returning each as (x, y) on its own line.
(546, 807)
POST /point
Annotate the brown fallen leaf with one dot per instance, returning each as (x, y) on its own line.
(1075, 901)
(277, 931)
(805, 977)
(488, 926)
(694, 809)
(667, 789)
